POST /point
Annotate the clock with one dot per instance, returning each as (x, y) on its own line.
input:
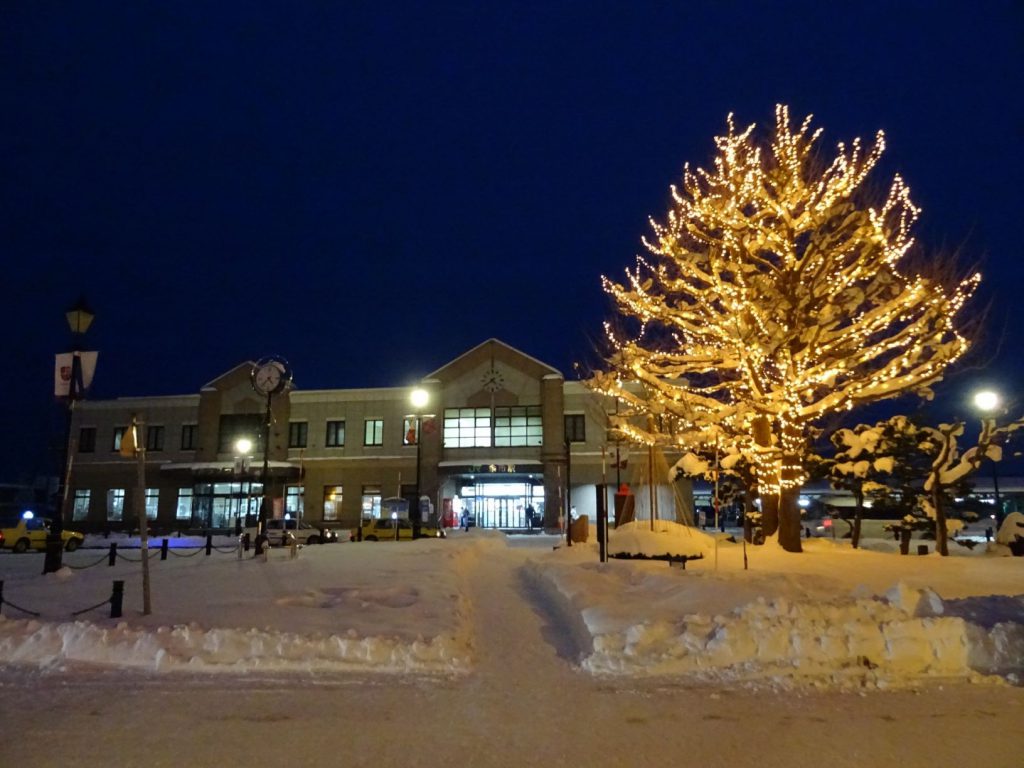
(492, 379)
(270, 376)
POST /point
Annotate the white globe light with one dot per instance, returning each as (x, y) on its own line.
(243, 445)
(986, 400)
(419, 398)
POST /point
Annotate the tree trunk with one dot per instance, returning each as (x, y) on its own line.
(769, 514)
(941, 530)
(790, 530)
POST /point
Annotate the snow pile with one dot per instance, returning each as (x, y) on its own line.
(638, 538)
(193, 648)
(714, 626)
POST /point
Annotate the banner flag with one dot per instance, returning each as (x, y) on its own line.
(64, 368)
(129, 442)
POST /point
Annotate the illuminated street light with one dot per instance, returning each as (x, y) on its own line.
(70, 370)
(419, 398)
(988, 402)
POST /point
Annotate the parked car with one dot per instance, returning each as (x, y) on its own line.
(279, 528)
(383, 529)
(31, 533)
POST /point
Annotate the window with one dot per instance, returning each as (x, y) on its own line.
(152, 503)
(373, 432)
(518, 425)
(335, 434)
(233, 427)
(467, 427)
(118, 436)
(575, 428)
(410, 431)
(332, 502)
(115, 502)
(298, 433)
(184, 510)
(294, 501)
(154, 438)
(188, 437)
(371, 501)
(87, 440)
(80, 508)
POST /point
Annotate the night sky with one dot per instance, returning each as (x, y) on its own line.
(370, 189)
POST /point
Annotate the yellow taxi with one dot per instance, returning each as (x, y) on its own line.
(31, 532)
(385, 528)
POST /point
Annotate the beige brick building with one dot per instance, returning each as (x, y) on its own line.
(501, 433)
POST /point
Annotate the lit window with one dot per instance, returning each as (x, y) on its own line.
(184, 510)
(371, 501)
(335, 434)
(373, 432)
(115, 502)
(80, 510)
(294, 501)
(332, 502)
(467, 427)
(152, 503)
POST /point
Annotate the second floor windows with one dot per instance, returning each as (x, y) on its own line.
(154, 438)
(87, 440)
(335, 434)
(298, 434)
(188, 437)
(373, 432)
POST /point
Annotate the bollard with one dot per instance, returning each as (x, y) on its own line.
(293, 546)
(163, 549)
(115, 599)
(209, 544)
(112, 557)
(922, 549)
(245, 542)
(239, 546)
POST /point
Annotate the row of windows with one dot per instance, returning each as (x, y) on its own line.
(463, 428)
(187, 501)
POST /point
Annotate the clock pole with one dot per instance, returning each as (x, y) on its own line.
(261, 523)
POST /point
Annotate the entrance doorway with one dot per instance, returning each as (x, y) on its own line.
(503, 502)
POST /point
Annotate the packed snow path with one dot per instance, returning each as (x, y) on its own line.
(522, 701)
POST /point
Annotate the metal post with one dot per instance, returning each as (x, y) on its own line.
(995, 487)
(416, 511)
(140, 508)
(116, 598)
(112, 555)
(54, 536)
(602, 522)
(261, 525)
(568, 494)
(163, 549)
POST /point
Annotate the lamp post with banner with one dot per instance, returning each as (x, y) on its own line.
(73, 374)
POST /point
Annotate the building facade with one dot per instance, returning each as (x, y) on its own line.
(503, 439)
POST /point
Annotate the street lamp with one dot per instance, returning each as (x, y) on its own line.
(988, 402)
(71, 374)
(418, 398)
(243, 449)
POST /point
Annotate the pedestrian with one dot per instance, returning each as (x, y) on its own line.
(529, 516)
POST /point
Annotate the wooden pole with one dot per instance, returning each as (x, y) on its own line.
(140, 508)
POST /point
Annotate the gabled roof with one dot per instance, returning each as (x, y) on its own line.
(230, 376)
(499, 351)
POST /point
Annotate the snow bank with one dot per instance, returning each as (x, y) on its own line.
(193, 648)
(892, 640)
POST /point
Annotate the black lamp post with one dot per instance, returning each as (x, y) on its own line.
(419, 398)
(79, 318)
(989, 402)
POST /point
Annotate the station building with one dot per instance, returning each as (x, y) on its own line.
(502, 434)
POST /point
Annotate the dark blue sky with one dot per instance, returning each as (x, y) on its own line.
(369, 189)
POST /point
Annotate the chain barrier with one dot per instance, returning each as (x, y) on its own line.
(114, 601)
(8, 602)
(83, 567)
(190, 554)
(227, 550)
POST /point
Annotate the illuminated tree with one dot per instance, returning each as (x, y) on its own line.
(775, 296)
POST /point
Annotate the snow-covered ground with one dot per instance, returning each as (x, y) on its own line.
(828, 618)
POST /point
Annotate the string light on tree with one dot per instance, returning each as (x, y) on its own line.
(775, 290)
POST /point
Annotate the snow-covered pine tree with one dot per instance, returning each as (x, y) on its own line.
(773, 297)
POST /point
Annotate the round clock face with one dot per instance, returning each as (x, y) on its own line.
(492, 380)
(269, 378)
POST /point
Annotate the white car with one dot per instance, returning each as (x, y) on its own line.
(278, 531)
